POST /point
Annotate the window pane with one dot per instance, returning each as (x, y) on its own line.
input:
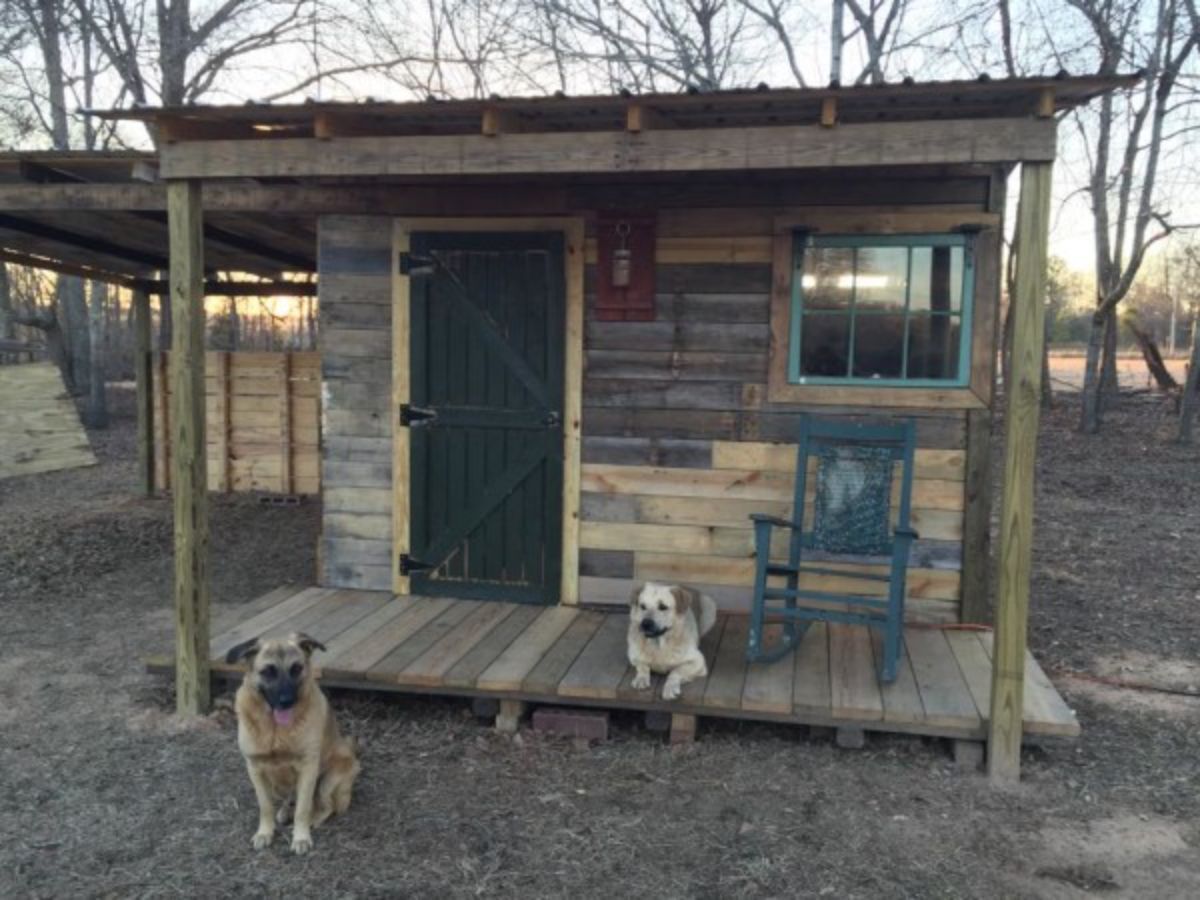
(933, 343)
(881, 279)
(824, 345)
(937, 275)
(827, 277)
(878, 346)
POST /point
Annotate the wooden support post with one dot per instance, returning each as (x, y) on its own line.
(683, 728)
(639, 117)
(287, 480)
(968, 755)
(510, 715)
(143, 373)
(1045, 105)
(829, 112)
(164, 417)
(1016, 516)
(224, 421)
(190, 478)
(977, 518)
(500, 121)
(850, 738)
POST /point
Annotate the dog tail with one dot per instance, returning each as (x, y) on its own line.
(706, 615)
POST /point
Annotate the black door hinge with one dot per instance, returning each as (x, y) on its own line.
(415, 416)
(408, 565)
(415, 265)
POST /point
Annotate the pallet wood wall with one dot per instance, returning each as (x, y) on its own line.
(263, 421)
(41, 430)
(355, 295)
(680, 444)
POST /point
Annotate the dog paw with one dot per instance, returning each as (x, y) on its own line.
(301, 844)
(641, 682)
(671, 690)
(262, 839)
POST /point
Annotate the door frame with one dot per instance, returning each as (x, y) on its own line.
(572, 229)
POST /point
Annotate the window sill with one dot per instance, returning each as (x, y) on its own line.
(868, 395)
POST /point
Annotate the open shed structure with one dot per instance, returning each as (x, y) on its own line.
(565, 346)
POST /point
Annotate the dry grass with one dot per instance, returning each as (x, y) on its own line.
(106, 794)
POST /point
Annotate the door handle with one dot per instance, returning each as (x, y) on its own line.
(415, 416)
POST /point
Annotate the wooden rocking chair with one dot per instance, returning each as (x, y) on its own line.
(848, 518)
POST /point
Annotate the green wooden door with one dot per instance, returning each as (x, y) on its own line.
(485, 415)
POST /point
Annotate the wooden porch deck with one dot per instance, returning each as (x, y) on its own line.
(574, 656)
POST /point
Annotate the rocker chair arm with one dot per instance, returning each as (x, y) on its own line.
(907, 534)
(763, 519)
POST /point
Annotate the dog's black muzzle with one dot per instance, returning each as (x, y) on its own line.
(281, 695)
(651, 629)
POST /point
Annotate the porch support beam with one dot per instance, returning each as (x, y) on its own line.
(189, 479)
(1016, 518)
(143, 364)
(710, 149)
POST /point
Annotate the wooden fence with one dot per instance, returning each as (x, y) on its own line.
(263, 415)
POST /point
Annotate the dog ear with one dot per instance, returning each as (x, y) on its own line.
(683, 599)
(242, 651)
(633, 598)
(308, 644)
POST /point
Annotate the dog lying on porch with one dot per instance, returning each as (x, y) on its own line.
(290, 739)
(666, 623)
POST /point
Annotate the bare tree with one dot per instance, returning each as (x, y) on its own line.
(1125, 138)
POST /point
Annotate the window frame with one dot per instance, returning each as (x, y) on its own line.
(804, 240)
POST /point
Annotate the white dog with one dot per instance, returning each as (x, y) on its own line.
(666, 623)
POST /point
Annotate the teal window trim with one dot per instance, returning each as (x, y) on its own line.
(801, 240)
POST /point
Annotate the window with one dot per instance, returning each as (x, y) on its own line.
(881, 310)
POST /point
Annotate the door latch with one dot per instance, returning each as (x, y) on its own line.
(415, 416)
(410, 264)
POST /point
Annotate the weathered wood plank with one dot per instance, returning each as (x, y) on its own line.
(677, 336)
(416, 613)
(516, 662)
(431, 666)
(387, 613)
(942, 465)
(944, 693)
(601, 664)
(901, 698)
(390, 667)
(605, 563)
(727, 678)
(544, 677)
(692, 693)
(467, 670)
(642, 451)
(769, 685)
(143, 371)
(977, 518)
(811, 691)
(975, 665)
(666, 365)
(260, 624)
(854, 684)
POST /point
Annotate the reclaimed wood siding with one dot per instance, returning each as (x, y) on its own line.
(262, 418)
(680, 444)
(355, 294)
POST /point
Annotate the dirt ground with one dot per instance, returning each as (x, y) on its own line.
(104, 793)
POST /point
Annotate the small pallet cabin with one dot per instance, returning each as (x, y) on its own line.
(565, 344)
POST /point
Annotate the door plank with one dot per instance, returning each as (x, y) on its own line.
(601, 665)
(519, 659)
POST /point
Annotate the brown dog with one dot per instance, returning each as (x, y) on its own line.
(290, 739)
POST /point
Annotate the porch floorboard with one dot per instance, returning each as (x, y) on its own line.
(576, 657)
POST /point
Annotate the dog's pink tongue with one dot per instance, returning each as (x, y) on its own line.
(282, 716)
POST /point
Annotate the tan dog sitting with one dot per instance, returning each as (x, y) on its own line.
(290, 739)
(666, 623)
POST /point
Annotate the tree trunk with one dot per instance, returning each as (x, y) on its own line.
(1089, 419)
(1191, 392)
(1006, 348)
(96, 412)
(164, 322)
(73, 317)
(1154, 360)
(235, 325)
(1109, 384)
(1047, 388)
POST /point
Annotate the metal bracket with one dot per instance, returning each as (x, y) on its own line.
(415, 265)
(408, 565)
(416, 416)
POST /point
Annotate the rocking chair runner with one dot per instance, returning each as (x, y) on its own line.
(850, 515)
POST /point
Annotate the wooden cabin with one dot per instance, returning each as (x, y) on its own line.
(565, 344)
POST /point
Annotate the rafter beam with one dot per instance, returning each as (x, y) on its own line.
(81, 241)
